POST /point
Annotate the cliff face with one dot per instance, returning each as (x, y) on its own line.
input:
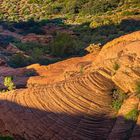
(72, 99)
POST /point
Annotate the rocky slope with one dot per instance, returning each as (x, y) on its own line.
(72, 99)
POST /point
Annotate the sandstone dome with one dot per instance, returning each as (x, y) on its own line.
(71, 100)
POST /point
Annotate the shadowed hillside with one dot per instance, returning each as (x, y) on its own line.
(48, 41)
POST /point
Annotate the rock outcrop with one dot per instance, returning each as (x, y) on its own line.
(71, 100)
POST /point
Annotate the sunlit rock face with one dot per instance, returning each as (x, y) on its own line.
(124, 52)
(71, 99)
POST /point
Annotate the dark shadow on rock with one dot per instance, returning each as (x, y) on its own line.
(25, 122)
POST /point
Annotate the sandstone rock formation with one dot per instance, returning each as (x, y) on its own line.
(71, 100)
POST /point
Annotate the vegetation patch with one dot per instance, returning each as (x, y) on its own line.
(6, 138)
(9, 84)
(30, 73)
(65, 45)
(132, 115)
(118, 96)
(34, 53)
(81, 69)
(116, 66)
(19, 60)
(91, 21)
(29, 46)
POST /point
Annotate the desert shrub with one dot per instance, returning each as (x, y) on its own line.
(93, 48)
(55, 21)
(24, 46)
(30, 26)
(95, 7)
(30, 46)
(51, 61)
(35, 29)
(47, 8)
(116, 66)
(5, 40)
(127, 13)
(38, 56)
(1, 16)
(65, 45)
(25, 24)
(36, 1)
(118, 97)
(71, 7)
(132, 115)
(30, 73)
(6, 138)
(54, 9)
(99, 21)
(8, 83)
(81, 70)
(19, 60)
(8, 26)
(36, 53)
(132, 1)
(129, 25)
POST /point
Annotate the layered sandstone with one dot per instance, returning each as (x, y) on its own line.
(71, 100)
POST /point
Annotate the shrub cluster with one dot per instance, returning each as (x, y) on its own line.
(118, 96)
(65, 45)
(40, 9)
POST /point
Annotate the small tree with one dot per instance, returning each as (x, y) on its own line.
(8, 82)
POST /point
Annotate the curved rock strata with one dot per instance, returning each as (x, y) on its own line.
(77, 107)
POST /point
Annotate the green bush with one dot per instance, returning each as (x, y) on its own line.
(65, 45)
(96, 7)
(30, 46)
(30, 73)
(36, 1)
(127, 13)
(8, 83)
(36, 54)
(5, 40)
(46, 8)
(116, 66)
(132, 115)
(19, 60)
(118, 96)
(116, 104)
(6, 138)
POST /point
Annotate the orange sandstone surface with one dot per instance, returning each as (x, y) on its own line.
(71, 99)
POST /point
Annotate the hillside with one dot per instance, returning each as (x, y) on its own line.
(101, 101)
(33, 32)
(41, 9)
(95, 13)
